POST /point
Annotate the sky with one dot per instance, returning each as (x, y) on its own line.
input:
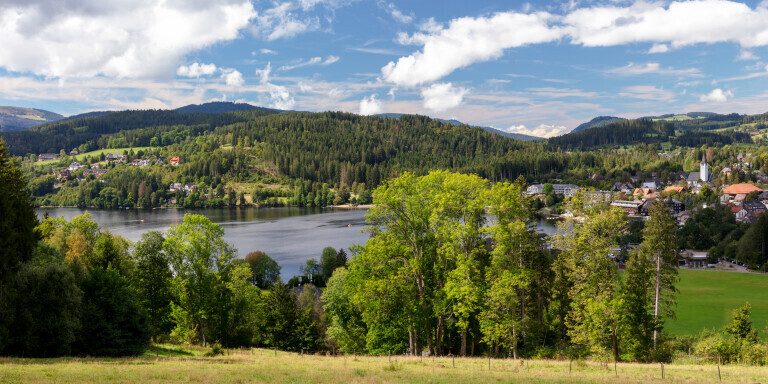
(538, 68)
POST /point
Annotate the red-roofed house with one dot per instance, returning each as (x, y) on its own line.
(175, 160)
(735, 189)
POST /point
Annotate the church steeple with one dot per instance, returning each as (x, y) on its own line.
(704, 169)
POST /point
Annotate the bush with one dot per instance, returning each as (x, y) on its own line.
(716, 347)
(216, 350)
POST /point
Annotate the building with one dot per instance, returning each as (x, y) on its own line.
(674, 189)
(754, 208)
(566, 190)
(744, 189)
(114, 157)
(47, 157)
(74, 152)
(703, 176)
(654, 184)
(632, 207)
(175, 160)
(693, 259)
(74, 166)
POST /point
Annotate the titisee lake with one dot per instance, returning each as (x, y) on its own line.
(291, 236)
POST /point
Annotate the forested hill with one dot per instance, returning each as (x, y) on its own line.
(18, 118)
(221, 107)
(516, 136)
(619, 133)
(93, 131)
(597, 122)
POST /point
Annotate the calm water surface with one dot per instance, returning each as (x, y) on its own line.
(291, 236)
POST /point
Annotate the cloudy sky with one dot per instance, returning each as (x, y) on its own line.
(531, 67)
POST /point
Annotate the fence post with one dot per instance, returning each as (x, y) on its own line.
(389, 355)
(615, 371)
(454, 360)
(570, 366)
(719, 376)
(302, 352)
(489, 360)
(275, 351)
(662, 371)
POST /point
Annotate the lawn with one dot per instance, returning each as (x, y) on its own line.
(707, 299)
(263, 366)
(97, 152)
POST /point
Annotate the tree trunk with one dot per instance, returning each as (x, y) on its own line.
(463, 342)
(615, 346)
(656, 300)
(514, 342)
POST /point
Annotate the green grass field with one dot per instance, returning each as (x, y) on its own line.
(97, 152)
(263, 366)
(707, 299)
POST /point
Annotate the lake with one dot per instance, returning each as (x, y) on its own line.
(291, 235)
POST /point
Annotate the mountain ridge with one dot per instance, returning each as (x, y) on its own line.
(20, 118)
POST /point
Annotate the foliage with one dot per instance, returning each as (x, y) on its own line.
(113, 322)
(151, 280)
(264, 270)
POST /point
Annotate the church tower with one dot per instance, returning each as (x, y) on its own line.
(704, 169)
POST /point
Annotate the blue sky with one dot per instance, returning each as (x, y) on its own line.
(531, 67)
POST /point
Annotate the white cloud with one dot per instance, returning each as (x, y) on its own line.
(659, 48)
(632, 69)
(442, 96)
(313, 61)
(746, 54)
(716, 96)
(396, 14)
(543, 130)
(283, 21)
(681, 23)
(233, 77)
(280, 97)
(466, 41)
(263, 74)
(647, 92)
(370, 106)
(265, 51)
(79, 39)
(196, 70)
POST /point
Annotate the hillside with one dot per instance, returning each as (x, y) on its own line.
(220, 107)
(18, 118)
(516, 136)
(597, 122)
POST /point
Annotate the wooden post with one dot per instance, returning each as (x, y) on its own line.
(615, 371)
(570, 366)
(489, 361)
(454, 360)
(719, 376)
(302, 352)
(662, 371)
(275, 351)
(389, 355)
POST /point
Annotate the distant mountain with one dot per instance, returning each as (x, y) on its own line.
(516, 136)
(18, 118)
(600, 121)
(220, 107)
(88, 114)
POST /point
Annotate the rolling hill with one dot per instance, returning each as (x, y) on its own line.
(18, 118)
(597, 122)
(516, 136)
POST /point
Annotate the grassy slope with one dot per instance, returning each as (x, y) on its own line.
(707, 299)
(264, 367)
(97, 152)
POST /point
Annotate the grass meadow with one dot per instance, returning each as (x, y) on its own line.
(176, 365)
(97, 152)
(707, 299)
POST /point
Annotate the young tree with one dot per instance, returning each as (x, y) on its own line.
(328, 262)
(264, 270)
(151, 279)
(741, 326)
(594, 317)
(198, 255)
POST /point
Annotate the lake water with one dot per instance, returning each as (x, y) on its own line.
(291, 236)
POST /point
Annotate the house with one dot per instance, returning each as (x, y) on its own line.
(136, 161)
(174, 187)
(654, 184)
(140, 163)
(727, 171)
(47, 157)
(754, 208)
(674, 189)
(114, 157)
(633, 208)
(693, 259)
(74, 152)
(175, 160)
(536, 190)
(740, 212)
(74, 166)
(64, 174)
(94, 172)
(642, 191)
(566, 190)
(676, 206)
(740, 191)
